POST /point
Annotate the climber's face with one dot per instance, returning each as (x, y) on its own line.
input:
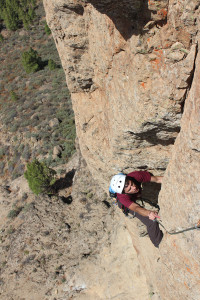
(130, 187)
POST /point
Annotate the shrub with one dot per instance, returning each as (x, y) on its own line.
(31, 61)
(51, 64)
(2, 166)
(14, 128)
(26, 154)
(40, 177)
(14, 212)
(2, 152)
(47, 29)
(13, 96)
(1, 38)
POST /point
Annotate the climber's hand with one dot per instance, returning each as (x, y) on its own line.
(153, 215)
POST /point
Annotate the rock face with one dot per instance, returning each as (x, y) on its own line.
(129, 67)
(182, 208)
(133, 70)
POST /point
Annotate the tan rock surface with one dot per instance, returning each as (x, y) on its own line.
(56, 249)
(127, 76)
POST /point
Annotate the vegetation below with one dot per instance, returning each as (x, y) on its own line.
(36, 113)
(17, 13)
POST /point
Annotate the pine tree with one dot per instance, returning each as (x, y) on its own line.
(16, 13)
(52, 65)
(40, 177)
(31, 61)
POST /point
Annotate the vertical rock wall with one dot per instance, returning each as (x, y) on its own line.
(180, 202)
(133, 69)
(129, 67)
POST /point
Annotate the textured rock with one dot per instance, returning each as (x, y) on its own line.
(133, 69)
(182, 183)
(54, 122)
(57, 150)
(128, 85)
(54, 249)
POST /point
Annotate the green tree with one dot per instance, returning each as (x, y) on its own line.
(16, 13)
(31, 61)
(10, 16)
(51, 64)
(40, 177)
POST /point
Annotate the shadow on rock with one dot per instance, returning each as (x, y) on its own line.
(128, 16)
(150, 193)
(66, 200)
(64, 182)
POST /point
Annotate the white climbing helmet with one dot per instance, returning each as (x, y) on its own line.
(117, 183)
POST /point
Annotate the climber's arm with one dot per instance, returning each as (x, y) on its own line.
(143, 212)
(157, 179)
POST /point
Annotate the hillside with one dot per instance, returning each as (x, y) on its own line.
(36, 116)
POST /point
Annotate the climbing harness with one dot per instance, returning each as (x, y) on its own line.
(124, 209)
(197, 226)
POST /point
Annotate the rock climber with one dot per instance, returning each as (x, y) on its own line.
(127, 189)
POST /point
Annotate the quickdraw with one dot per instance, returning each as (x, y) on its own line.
(197, 226)
(126, 211)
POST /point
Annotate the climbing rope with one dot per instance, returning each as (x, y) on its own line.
(197, 226)
(127, 211)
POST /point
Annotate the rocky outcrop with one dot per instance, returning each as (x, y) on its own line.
(133, 71)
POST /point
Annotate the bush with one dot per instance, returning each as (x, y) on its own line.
(51, 64)
(26, 154)
(31, 61)
(2, 152)
(14, 212)
(2, 166)
(40, 177)
(47, 29)
(1, 38)
(13, 96)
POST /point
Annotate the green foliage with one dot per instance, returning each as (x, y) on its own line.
(1, 38)
(17, 12)
(31, 61)
(14, 212)
(2, 152)
(47, 29)
(40, 177)
(13, 96)
(51, 64)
